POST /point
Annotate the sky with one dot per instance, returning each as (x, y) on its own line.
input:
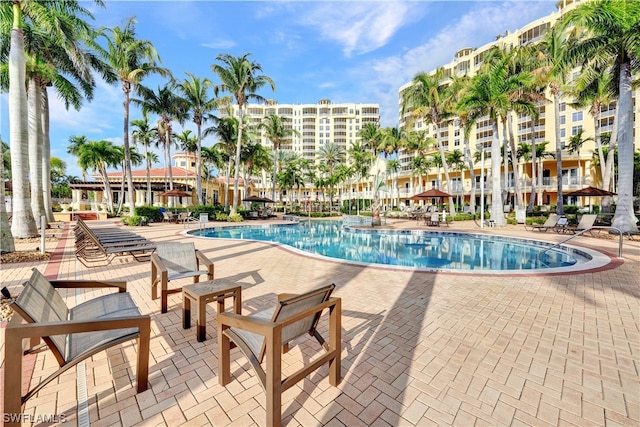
(345, 51)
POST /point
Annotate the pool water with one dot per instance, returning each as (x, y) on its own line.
(416, 249)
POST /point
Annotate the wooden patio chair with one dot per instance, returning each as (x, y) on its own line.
(267, 334)
(72, 334)
(173, 261)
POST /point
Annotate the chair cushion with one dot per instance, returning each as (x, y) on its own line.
(39, 302)
(179, 260)
(103, 307)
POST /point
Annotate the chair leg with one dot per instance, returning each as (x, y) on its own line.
(224, 357)
(12, 377)
(273, 387)
(142, 375)
(335, 339)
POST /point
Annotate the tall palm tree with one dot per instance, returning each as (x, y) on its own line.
(332, 155)
(431, 99)
(22, 223)
(169, 106)
(276, 130)
(456, 160)
(612, 43)
(370, 135)
(393, 166)
(575, 145)
(552, 52)
(132, 59)
(144, 135)
(196, 92)
(99, 155)
(239, 76)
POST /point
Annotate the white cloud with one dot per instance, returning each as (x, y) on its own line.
(360, 27)
(380, 79)
(219, 44)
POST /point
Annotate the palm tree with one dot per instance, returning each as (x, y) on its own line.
(99, 155)
(393, 166)
(22, 224)
(169, 106)
(239, 77)
(144, 135)
(432, 100)
(276, 131)
(195, 91)
(456, 160)
(611, 43)
(553, 56)
(575, 144)
(132, 59)
(332, 155)
(370, 135)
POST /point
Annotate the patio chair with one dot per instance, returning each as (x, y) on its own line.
(186, 218)
(72, 334)
(561, 225)
(549, 224)
(173, 261)
(586, 222)
(267, 334)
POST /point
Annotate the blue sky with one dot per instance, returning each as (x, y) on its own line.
(346, 51)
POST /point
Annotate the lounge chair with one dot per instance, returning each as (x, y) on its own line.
(72, 334)
(561, 225)
(549, 224)
(173, 261)
(586, 222)
(432, 220)
(267, 334)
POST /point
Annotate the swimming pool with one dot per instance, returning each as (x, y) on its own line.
(416, 249)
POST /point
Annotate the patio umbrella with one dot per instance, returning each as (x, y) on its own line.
(590, 191)
(176, 193)
(257, 199)
(430, 194)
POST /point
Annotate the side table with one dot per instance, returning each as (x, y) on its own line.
(203, 293)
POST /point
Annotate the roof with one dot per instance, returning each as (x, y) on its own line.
(155, 173)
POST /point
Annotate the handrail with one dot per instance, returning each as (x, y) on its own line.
(579, 233)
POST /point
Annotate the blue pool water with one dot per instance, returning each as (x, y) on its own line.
(417, 249)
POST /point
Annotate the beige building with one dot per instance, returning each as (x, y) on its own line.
(578, 167)
(317, 125)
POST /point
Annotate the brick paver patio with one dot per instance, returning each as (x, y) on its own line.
(418, 348)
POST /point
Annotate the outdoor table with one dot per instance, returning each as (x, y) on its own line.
(205, 292)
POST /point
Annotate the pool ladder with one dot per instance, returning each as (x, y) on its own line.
(581, 232)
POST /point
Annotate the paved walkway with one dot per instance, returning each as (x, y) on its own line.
(418, 348)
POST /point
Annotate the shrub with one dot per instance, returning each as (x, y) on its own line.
(135, 220)
(221, 216)
(151, 212)
(236, 217)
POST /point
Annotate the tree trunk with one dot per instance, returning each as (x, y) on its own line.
(556, 108)
(198, 165)
(46, 156)
(472, 176)
(22, 222)
(236, 175)
(514, 162)
(34, 103)
(445, 167)
(148, 161)
(624, 218)
(497, 213)
(127, 153)
(534, 161)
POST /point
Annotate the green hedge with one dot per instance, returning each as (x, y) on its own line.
(151, 212)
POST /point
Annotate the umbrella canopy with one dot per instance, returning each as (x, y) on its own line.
(591, 191)
(257, 199)
(176, 193)
(429, 194)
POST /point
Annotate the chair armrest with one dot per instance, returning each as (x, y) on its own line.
(283, 297)
(85, 284)
(203, 259)
(29, 330)
(158, 263)
(246, 323)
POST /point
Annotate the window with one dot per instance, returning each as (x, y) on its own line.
(563, 119)
(456, 132)
(456, 142)
(570, 176)
(577, 116)
(576, 129)
(563, 132)
(563, 106)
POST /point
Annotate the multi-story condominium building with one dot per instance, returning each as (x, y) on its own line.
(317, 125)
(578, 167)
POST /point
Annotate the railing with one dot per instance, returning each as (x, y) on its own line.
(581, 232)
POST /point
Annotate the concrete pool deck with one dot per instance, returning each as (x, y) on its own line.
(419, 348)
